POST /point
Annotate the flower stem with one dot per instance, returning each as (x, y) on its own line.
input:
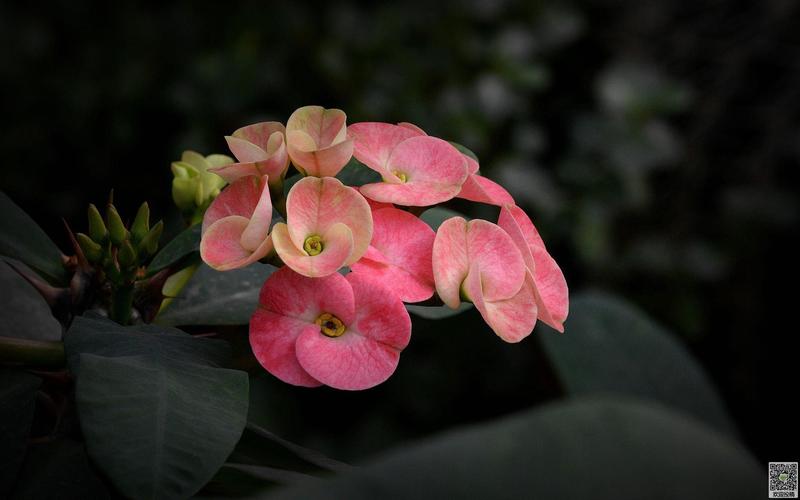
(31, 352)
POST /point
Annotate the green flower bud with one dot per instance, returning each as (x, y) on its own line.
(149, 243)
(193, 186)
(116, 229)
(92, 251)
(97, 228)
(141, 224)
(126, 255)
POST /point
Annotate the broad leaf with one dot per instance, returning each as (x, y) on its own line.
(17, 403)
(595, 448)
(106, 338)
(357, 174)
(437, 312)
(609, 346)
(436, 215)
(217, 298)
(159, 428)
(24, 313)
(60, 469)
(22, 239)
(184, 244)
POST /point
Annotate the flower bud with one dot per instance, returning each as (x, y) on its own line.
(193, 186)
(126, 255)
(149, 243)
(116, 229)
(97, 228)
(92, 251)
(141, 224)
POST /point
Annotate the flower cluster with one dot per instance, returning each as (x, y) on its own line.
(334, 313)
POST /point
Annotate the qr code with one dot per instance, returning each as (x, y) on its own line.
(783, 479)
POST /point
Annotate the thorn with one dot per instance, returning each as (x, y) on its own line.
(55, 297)
(83, 263)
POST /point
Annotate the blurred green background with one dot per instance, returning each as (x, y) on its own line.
(655, 145)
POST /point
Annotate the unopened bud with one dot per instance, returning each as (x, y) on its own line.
(126, 255)
(116, 229)
(97, 228)
(141, 224)
(92, 251)
(149, 243)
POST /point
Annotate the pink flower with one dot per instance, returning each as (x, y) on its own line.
(235, 231)
(483, 190)
(552, 294)
(417, 170)
(328, 226)
(479, 261)
(260, 149)
(317, 141)
(344, 332)
(400, 254)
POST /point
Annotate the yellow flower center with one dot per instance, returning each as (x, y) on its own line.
(400, 175)
(313, 245)
(330, 325)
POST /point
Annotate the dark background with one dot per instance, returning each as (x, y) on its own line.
(655, 145)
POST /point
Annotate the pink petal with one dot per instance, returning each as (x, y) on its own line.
(369, 350)
(326, 127)
(221, 248)
(262, 135)
(472, 164)
(245, 151)
(434, 172)
(412, 127)
(373, 142)
(511, 319)
(460, 245)
(400, 254)
(240, 198)
(337, 247)
(235, 171)
(288, 306)
(326, 162)
(450, 260)
(315, 204)
(257, 229)
(551, 286)
(482, 190)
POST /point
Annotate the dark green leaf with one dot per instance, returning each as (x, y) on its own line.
(159, 428)
(437, 312)
(22, 239)
(185, 243)
(595, 448)
(60, 470)
(106, 338)
(17, 403)
(436, 215)
(24, 313)
(464, 150)
(357, 174)
(609, 346)
(217, 298)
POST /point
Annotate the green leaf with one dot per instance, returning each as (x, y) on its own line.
(22, 239)
(464, 150)
(17, 403)
(24, 313)
(60, 469)
(609, 346)
(437, 312)
(595, 448)
(159, 428)
(436, 215)
(357, 174)
(104, 337)
(184, 244)
(217, 298)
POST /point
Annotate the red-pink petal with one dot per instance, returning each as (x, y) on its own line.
(412, 127)
(325, 162)
(434, 172)
(221, 247)
(235, 171)
(369, 350)
(482, 190)
(288, 306)
(240, 198)
(315, 204)
(472, 164)
(373, 142)
(257, 229)
(262, 135)
(337, 243)
(511, 319)
(400, 254)
(450, 260)
(317, 140)
(551, 286)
